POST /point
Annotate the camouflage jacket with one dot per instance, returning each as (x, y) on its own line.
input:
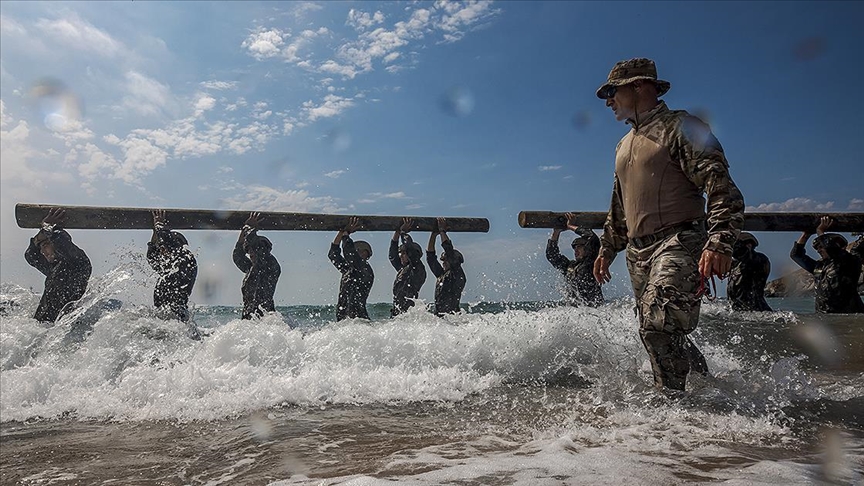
(695, 156)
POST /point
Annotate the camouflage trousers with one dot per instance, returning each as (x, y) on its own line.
(665, 278)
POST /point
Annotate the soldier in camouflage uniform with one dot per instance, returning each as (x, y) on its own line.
(835, 275)
(663, 166)
(582, 288)
(749, 275)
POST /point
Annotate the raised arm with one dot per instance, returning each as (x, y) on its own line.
(33, 255)
(240, 259)
(447, 244)
(799, 254)
(553, 254)
(335, 254)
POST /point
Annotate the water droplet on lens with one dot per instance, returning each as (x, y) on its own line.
(581, 120)
(59, 107)
(458, 101)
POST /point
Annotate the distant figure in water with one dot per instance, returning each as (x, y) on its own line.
(407, 259)
(835, 275)
(749, 275)
(582, 287)
(449, 274)
(170, 257)
(357, 274)
(65, 266)
(252, 256)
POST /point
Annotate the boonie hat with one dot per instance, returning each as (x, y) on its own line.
(625, 72)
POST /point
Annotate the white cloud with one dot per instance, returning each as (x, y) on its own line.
(332, 105)
(16, 173)
(73, 32)
(218, 85)
(332, 67)
(263, 44)
(461, 15)
(856, 205)
(390, 195)
(204, 103)
(145, 95)
(334, 174)
(10, 26)
(546, 168)
(362, 20)
(794, 204)
(415, 206)
(303, 8)
(264, 198)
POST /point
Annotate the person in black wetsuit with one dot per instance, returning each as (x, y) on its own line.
(252, 256)
(835, 275)
(170, 257)
(582, 287)
(407, 259)
(449, 274)
(65, 266)
(357, 274)
(749, 275)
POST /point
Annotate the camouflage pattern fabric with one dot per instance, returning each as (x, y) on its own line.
(690, 144)
(665, 278)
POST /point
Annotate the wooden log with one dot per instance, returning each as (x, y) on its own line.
(94, 217)
(843, 222)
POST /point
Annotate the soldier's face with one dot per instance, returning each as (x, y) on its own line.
(623, 103)
(403, 257)
(364, 254)
(47, 250)
(580, 251)
(444, 263)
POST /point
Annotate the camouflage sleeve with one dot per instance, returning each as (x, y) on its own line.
(704, 163)
(614, 237)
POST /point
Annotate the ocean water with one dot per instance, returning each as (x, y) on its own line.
(529, 393)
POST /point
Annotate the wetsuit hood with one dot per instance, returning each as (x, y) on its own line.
(361, 245)
(591, 244)
(413, 250)
(173, 240)
(259, 245)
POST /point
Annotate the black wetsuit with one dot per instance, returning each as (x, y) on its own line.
(582, 288)
(65, 279)
(356, 283)
(835, 278)
(177, 270)
(259, 285)
(409, 278)
(747, 280)
(450, 283)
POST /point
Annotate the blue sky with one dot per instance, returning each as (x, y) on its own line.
(406, 108)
